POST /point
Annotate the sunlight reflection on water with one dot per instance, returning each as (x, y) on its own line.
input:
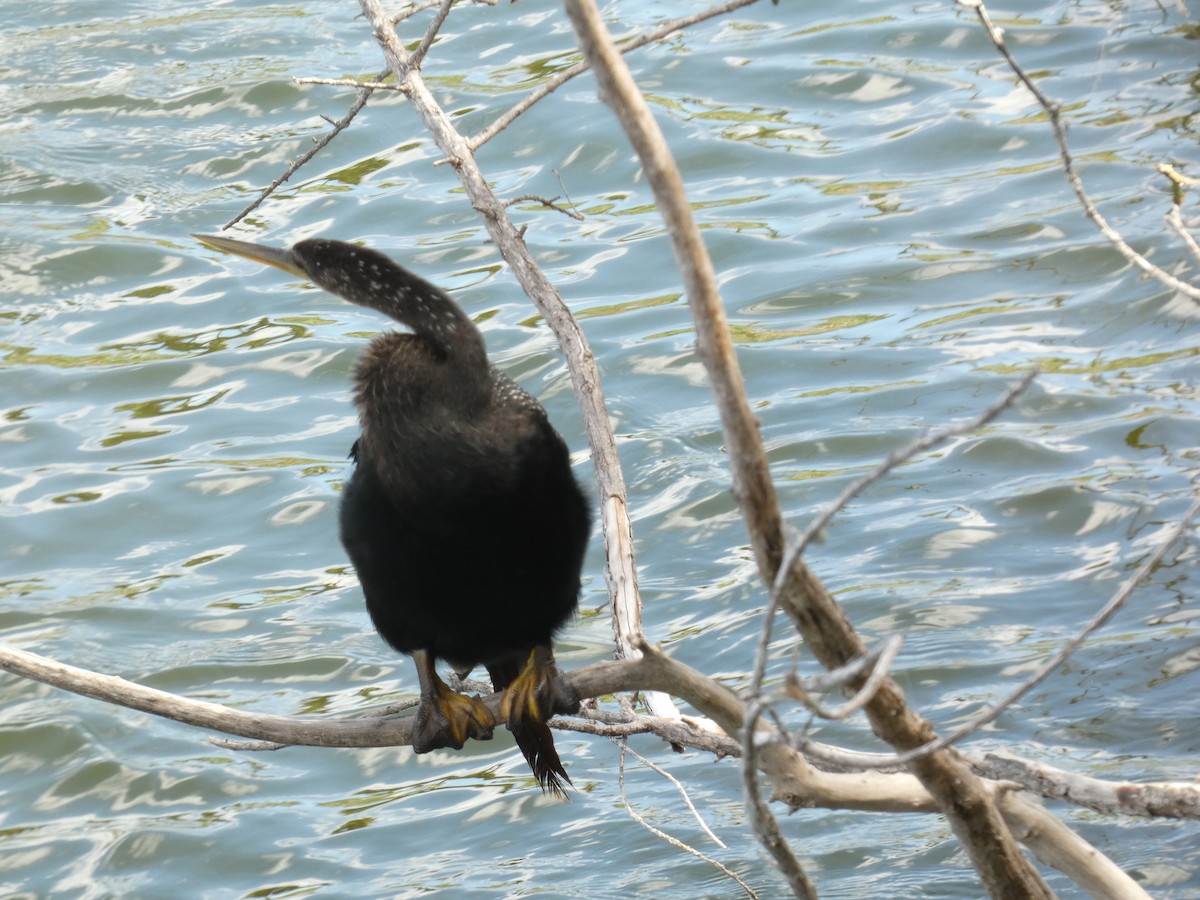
(895, 244)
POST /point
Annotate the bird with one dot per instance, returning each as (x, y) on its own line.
(462, 516)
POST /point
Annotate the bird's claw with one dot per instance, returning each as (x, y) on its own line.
(539, 692)
(448, 720)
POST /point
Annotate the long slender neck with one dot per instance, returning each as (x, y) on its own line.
(370, 279)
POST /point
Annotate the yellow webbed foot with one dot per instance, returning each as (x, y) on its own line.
(539, 692)
(444, 717)
(449, 720)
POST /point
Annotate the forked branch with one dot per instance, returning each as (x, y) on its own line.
(961, 796)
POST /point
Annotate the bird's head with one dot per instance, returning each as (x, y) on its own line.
(357, 274)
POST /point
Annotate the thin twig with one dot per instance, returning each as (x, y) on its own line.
(365, 90)
(1054, 112)
(674, 842)
(338, 127)
(413, 9)
(1175, 220)
(566, 193)
(878, 661)
(375, 85)
(896, 458)
(675, 731)
(548, 203)
(977, 721)
(1179, 185)
(418, 55)
(788, 567)
(563, 77)
(679, 787)
(604, 729)
(762, 821)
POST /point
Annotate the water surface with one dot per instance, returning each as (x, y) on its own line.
(895, 243)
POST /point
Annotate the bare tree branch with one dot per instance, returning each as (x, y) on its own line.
(894, 459)
(1179, 185)
(877, 665)
(1169, 800)
(684, 731)
(1119, 599)
(625, 748)
(651, 671)
(562, 78)
(320, 144)
(960, 795)
(549, 203)
(375, 85)
(1054, 112)
(1059, 847)
(418, 55)
(674, 842)
(796, 783)
(413, 8)
(365, 89)
(764, 824)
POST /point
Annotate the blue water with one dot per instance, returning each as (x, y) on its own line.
(895, 243)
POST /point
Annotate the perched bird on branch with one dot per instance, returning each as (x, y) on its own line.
(462, 517)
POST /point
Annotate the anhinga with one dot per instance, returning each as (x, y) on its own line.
(462, 517)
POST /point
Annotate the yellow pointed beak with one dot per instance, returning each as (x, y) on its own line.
(271, 256)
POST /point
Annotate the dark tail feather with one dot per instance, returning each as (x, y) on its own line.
(533, 737)
(537, 743)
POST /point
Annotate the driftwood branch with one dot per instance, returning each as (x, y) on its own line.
(1170, 800)
(797, 783)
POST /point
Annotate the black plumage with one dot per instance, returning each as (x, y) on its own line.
(462, 517)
